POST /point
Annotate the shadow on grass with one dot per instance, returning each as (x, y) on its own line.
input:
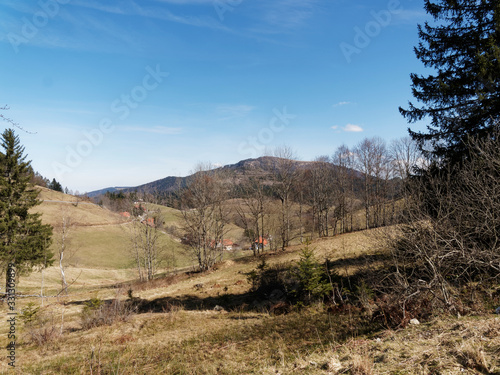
(359, 261)
(229, 302)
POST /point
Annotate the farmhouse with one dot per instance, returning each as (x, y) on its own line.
(226, 244)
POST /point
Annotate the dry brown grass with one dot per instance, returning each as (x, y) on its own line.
(83, 213)
(99, 238)
(362, 365)
(178, 336)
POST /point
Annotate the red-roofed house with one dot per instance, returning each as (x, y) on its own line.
(226, 244)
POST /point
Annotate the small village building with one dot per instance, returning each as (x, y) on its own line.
(226, 244)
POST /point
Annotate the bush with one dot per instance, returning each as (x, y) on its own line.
(302, 283)
(450, 240)
(313, 281)
(40, 329)
(29, 315)
(97, 312)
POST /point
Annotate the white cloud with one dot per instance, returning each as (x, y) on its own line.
(340, 104)
(233, 111)
(411, 16)
(353, 128)
(131, 8)
(348, 128)
(279, 16)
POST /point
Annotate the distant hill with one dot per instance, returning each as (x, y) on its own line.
(262, 167)
(99, 237)
(96, 193)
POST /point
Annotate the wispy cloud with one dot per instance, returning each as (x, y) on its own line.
(411, 16)
(280, 16)
(341, 104)
(289, 13)
(131, 8)
(350, 128)
(229, 112)
(154, 130)
(353, 128)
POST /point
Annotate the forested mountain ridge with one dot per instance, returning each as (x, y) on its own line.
(262, 168)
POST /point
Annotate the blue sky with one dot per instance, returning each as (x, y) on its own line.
(120, 93)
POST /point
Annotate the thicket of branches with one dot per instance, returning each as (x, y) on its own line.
(286, 200)
(451, 238)
(450, 242)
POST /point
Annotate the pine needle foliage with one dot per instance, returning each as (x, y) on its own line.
(24, 239)
(461, 95)
(313, 281)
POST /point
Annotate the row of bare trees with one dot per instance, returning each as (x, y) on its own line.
(294, 199)
(291, 201)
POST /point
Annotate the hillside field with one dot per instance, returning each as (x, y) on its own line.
(179, 330)
(98, 237)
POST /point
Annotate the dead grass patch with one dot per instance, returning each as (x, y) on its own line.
(179, 340)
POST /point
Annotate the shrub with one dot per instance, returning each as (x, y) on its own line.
(450, 239)
(97, 312)
(313, 282)
(302, 283)
(29, 315)
(40, 329)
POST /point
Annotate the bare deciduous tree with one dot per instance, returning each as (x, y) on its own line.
(147, 250)
(321, 191)
(343, 159)
(205, 215)
(285, 173)
(373, 162)
(364, 161)
(406, 155)
(252, 211)
(62, 238)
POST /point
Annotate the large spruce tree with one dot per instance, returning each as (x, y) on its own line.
(462, 96)
(450, 240)
(24, 240)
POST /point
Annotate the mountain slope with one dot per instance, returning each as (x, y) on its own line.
(98, 237)
(263, 167)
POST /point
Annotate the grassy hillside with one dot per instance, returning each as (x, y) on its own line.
(100, 238)
(177, 330)
(56, 204)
